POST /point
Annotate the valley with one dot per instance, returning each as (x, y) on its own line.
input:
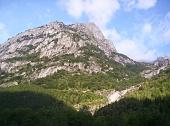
(59, 74)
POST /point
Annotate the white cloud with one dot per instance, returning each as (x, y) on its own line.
(165, 28)
(101, 12)
(147, 28)
(138, 4)
(135, 50)
(74, 8)
(132, 47)
(161, 31)
(166, 35)
(98, 11)
(112, 34)
(149, 42)
(146, 4)
(3, 32)
(2, 26)
(128, 5)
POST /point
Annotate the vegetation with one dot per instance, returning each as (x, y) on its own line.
(117, 73)
(99, 81)
(158, 86)
(27, 108)
(48, 101)
(29, 57)
(150, 105)
(69, 96)
(28, 104)
(133, 112)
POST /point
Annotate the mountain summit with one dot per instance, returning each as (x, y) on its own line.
(55, 38)
(46, 49)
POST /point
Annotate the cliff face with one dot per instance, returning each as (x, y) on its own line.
(94, 32)
(55, 39)
(161, 63)
(44, 50)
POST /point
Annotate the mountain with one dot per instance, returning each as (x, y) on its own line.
(73, 63)
(161, 63)
(59, 74)
(45, 50)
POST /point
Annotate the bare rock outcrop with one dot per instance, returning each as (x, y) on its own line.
(161, 63)
(117, 95)
(46, 49)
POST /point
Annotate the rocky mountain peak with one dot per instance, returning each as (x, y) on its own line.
(44, 38)
(162, 61)
(56, 46)
(92, 30)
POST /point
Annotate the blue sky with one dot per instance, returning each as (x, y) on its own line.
(138, 28)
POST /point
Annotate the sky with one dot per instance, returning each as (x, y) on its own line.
(138, 28)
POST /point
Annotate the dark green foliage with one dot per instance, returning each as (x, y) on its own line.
(76, 37)
(27, 37)
(136, 68)
(29, 57)
(35, 109)
(55, 41)
(92, 50)
(19, 107)
(18, 41)
(30, 47)
(120, 54)
(149, 106)
(64, 80)
(106, 62)
(69, 96)
(24, 50)
(47, 102)
(27, 99)
(133, 112)
(40, 36)
(33, 105)
(158, 86)
(70, 58)
(8, 77)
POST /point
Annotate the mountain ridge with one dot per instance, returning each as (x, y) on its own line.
(67, 47)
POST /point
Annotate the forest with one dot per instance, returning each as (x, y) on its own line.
(30, 104)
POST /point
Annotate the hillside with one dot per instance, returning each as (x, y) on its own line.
(72, 58)
(34, 105)
(59, 74)
(42, 51)
(147, 106)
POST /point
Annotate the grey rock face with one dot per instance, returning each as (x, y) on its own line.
(162, 61)
(38, 51)
(94, 32)
(160, 64)
(54, 39)
(123, 60)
